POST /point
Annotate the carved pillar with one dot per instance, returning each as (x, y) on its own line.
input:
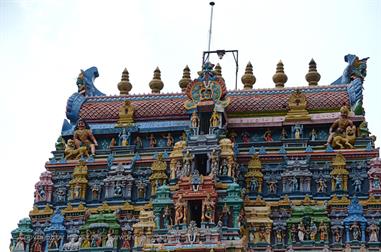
(363, 229)
(347, 237)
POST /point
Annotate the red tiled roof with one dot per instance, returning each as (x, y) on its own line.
(171, 106)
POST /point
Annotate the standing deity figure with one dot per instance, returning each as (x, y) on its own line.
(245, 137)
(253, 184)
(192, 232)
(313, 231)
(54, 241)
(152, 140)
(195, 120)
(123, 137)
(272, 186)
(355, 228)
(208, 209)
(125, 240)
(293, 232)
(224, 168)
(322, 186)
(138, 142)
(338, 182)
(178, 169)
(141, 190)
(84, 137)
(313, 135)
(224, 217)
(376, 183)
(267, 136)
(170, 140)
(167, 217)
(323, 230)
(37, 244)
(180, 209)
(20, 243)
(301, 231)
(110, 240)
(215, 119)
(187, 161)
(373, 233)
(340, 125)
(357, 184)
(279, 235)
(283, 134)
(294, 184)
(337, 235)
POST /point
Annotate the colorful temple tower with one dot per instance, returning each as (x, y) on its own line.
(207, 169)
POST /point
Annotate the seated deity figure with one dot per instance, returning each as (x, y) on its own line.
(84, 137)
(340, 125)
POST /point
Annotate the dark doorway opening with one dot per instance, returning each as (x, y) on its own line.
(201, 164)
(195, 211)
(204, 122)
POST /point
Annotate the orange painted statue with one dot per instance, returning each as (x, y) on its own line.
(84, 137)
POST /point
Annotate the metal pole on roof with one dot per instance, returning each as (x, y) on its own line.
(210, 27)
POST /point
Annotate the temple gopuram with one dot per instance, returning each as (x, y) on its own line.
(206, 169)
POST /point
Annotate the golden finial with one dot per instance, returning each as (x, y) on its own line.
(183, 83)
(156, 84)
(279, 77)
(312, 77)
(218, 71)
(248, 79)
(124, 85)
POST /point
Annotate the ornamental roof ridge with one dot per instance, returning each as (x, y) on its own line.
(259, 91)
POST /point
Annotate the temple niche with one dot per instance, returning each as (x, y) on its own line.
(118, 183)
(374, 175)
(296, 179)
(210, 169)
(44, 188)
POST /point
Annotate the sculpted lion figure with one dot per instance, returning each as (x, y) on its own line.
(71, 152)
(345, 140)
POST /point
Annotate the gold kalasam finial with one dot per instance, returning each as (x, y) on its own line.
(156, 84)
(124, 85)
(183, 83)
(248, 79)
(312, 77)
(279, 78)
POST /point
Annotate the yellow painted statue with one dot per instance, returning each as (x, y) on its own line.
(342, 133)
(71, 152)
(84, 137)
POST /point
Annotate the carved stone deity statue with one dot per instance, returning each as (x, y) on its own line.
(215, 119)
(355, 229)
(340, 126)
(84, 137)
(208, 209)
(195, 120)
(373, 233)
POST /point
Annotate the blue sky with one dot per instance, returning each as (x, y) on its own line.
(44, 44)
